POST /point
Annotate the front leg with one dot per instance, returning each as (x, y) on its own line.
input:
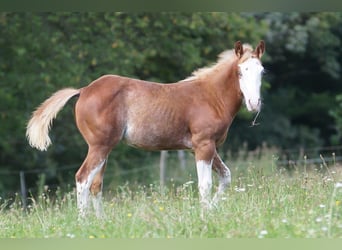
(204, 153)
(204, 182)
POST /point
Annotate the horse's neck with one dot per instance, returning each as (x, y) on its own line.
(224, 85)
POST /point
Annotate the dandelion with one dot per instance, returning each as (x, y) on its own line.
(161, 208)
(129, 215)
(338, 203)
(91, 237)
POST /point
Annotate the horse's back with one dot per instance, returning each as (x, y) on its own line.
(145, 114)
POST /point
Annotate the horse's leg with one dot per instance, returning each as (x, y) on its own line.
(204, 159)
(91, 167)
(224, 177)
(96, 192)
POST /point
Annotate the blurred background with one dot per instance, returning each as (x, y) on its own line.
(41, 53)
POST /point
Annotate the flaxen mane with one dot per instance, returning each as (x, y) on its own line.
(226, 57)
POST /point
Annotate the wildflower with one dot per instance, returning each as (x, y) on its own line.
(338, 203)
(319, 219)
(237, 189)
(71, 236)
(338, 185)
(284, 220)
(322, 206)
(262, 234)
(189, 183)
(161, 208)
(91, 236)
(129, 215)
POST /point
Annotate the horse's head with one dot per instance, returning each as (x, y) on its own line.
(250, 71)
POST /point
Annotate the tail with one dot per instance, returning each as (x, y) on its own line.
(39, 125)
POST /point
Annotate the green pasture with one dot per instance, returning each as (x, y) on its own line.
(264, 201)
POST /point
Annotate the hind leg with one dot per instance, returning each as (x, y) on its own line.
(92, 166)
(96, 192)
(224, 177)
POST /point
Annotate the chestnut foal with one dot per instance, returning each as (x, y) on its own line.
(193, 114)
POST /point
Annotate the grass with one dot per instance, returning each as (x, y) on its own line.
(262, 202)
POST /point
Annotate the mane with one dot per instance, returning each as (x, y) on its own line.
(224, 59)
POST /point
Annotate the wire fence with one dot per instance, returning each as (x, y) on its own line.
(324, 155)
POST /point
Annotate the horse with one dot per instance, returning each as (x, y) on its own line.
(192, 114)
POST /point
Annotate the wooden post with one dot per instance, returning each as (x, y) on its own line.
(162, 166)
(181, 158)
(23, 189)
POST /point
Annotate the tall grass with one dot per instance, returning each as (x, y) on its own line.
(263, 201)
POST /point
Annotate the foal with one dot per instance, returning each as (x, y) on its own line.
(193, 114)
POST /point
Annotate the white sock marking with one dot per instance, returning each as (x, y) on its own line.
(204, 181)
(83, 190)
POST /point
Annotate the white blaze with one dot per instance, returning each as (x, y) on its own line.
(250, 83)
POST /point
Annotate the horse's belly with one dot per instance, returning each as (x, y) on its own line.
(154, 137)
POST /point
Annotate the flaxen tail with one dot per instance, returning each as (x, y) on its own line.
(39, 125)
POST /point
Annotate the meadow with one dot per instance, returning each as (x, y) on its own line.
(263, 201)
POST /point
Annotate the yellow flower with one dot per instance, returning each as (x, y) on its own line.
(91, 236)
(338, 203)
(129, 215)
(161, 208)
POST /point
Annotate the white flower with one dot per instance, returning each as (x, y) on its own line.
(240, 189)
(263, 232)
(338, 185)
(322, 206)
(70, 235)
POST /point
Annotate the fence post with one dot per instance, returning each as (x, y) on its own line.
(162, 166)
(23, 189)
(181, 158)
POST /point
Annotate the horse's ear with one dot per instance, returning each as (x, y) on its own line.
(238, 49)
(260, 49)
